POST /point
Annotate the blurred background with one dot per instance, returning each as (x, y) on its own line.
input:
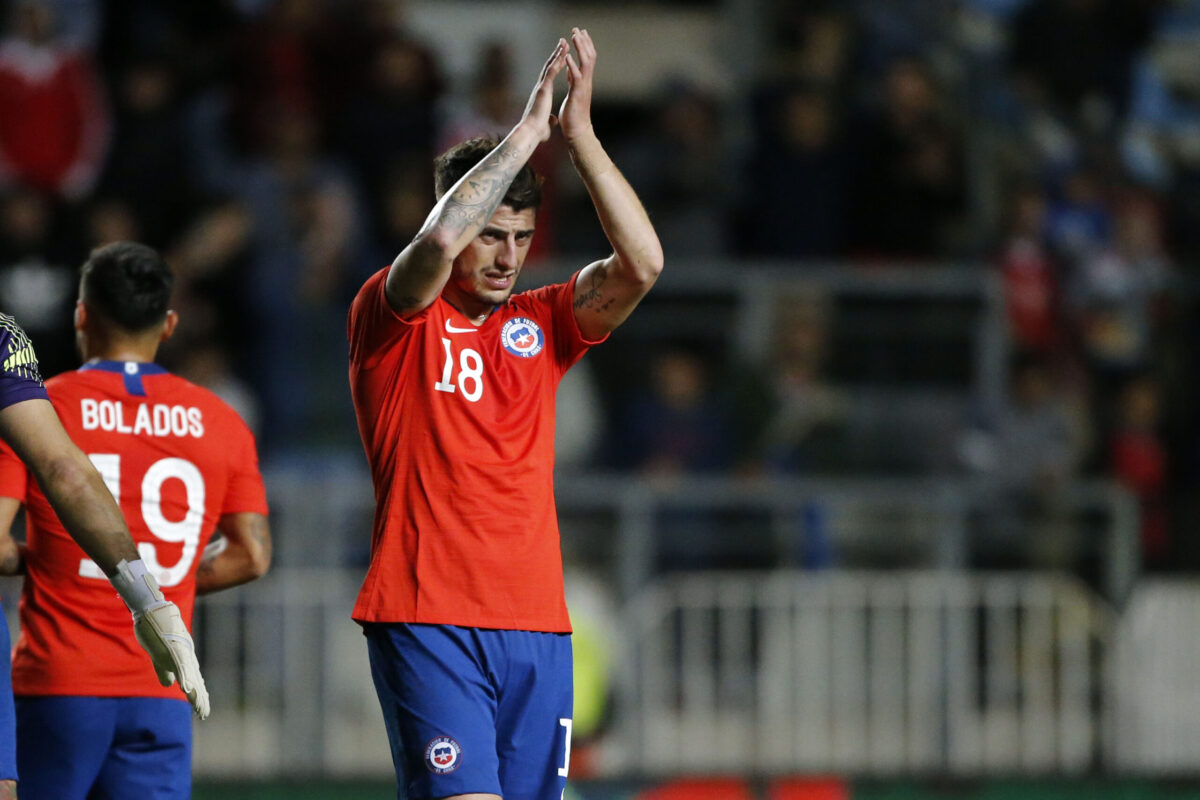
(888, 490)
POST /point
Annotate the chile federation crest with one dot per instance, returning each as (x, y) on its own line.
(522, 337)
(442, 755)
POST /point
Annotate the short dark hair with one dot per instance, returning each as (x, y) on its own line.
(525, 191)
(127, 283)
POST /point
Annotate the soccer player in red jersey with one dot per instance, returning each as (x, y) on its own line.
(454, 378)
(92, 720)
(76, 492)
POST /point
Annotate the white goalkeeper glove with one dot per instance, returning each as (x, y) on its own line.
(160, 631)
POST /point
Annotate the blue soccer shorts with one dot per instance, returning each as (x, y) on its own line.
(473, 709)
(8, 714)
(104, 748)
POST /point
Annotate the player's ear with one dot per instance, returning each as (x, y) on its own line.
(80, 317)
(169, 323)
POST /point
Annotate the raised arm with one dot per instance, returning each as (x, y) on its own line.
(607, 290)
(245, 556)
(423, 267)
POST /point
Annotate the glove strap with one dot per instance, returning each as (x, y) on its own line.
(137, 587)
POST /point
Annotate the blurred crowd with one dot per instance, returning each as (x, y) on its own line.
(279, 151)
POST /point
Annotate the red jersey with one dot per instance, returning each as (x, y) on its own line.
(458, 425)
(176, 459)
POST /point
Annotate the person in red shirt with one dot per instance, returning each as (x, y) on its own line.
(1138, 460)
(76, 492)
(453, 378)
(92, 720)
(54, 122)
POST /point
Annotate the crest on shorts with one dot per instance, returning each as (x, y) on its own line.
(442, 755)
(522, 337)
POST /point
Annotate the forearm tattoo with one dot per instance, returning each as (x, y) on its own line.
(592, 298)
(475, 199)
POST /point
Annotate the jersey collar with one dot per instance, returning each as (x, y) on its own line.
(131, 371)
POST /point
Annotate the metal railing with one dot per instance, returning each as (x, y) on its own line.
(914, 523)
(864, 673)
(289, 678)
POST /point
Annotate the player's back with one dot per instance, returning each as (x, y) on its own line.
(176, 458)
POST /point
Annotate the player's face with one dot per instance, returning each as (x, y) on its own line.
(486, 271)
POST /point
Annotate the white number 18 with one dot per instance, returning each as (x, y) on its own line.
(470, 373)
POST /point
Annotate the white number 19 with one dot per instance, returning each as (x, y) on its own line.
(186, 530)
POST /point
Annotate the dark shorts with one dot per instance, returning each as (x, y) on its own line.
(104, 748)
(474, 710)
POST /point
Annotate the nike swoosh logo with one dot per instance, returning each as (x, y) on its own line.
(451, 329)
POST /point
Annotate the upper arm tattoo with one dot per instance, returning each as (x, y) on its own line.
(592, 297)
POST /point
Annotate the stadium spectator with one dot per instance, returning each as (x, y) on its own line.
(678, 424)
(909, 194)
(814, 44)
(149, 147)
(676, 427)
(392, 125)
(790, 419)
(1079, 218)
(110, 220)
(678, 167)
(491, 106)
(1033, 294)
(798, 170)
(1137, 457)
(788, 411)
(54, 124)
(300, 57)
(1028, 452)
(1114, 291)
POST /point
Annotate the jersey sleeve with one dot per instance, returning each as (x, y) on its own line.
(569, 342)
(14, 477)
(246, 492)
(19, 376)
(372, 324)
